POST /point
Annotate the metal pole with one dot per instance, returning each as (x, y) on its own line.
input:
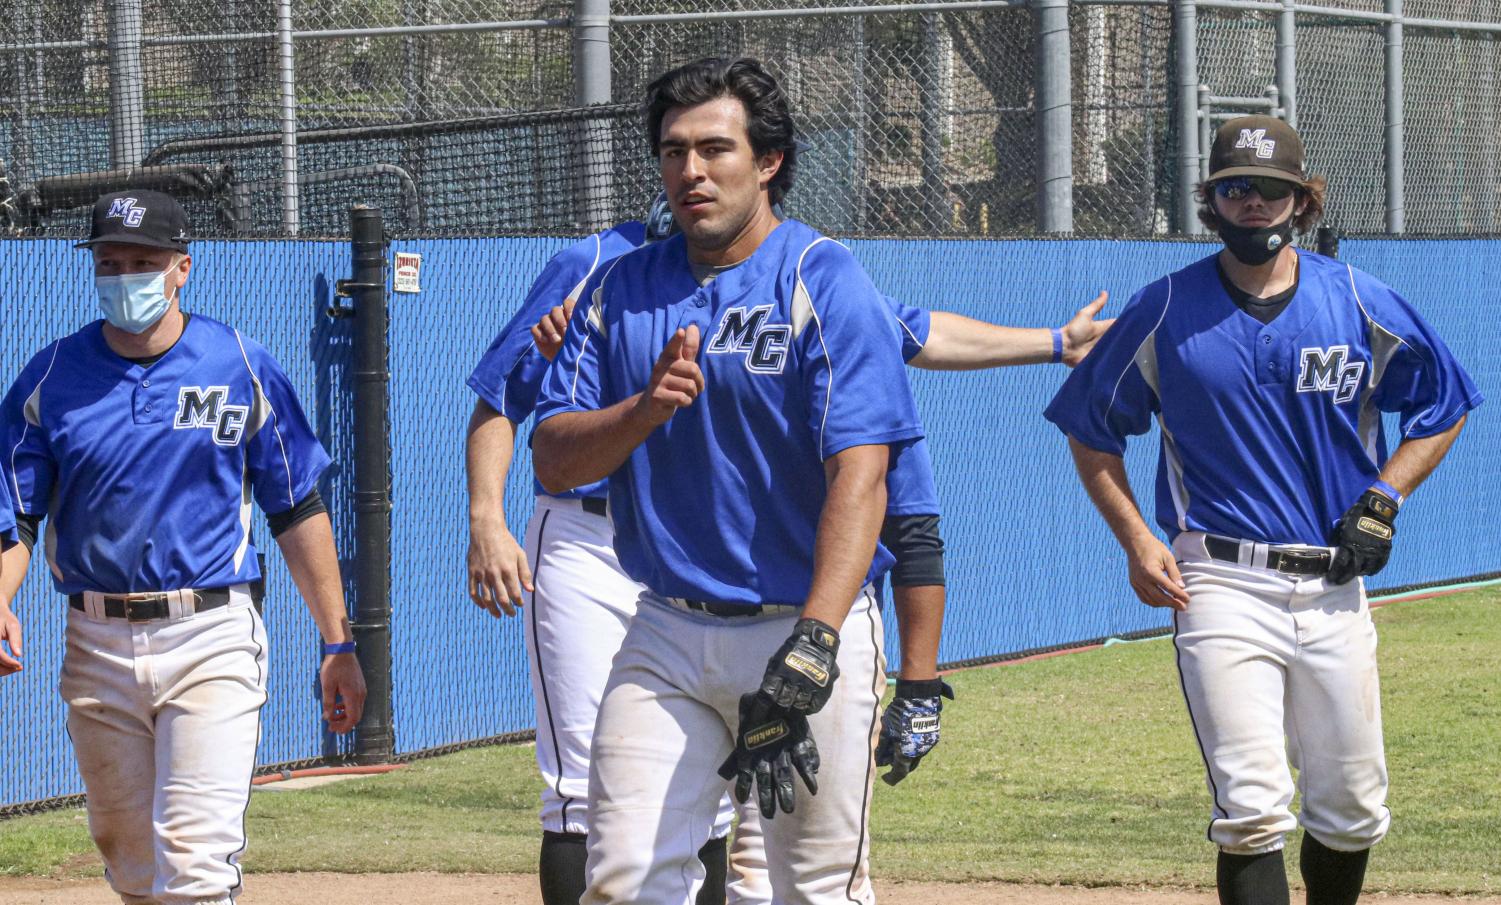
(862, 126)
(1287, 61)
(1055, 131)
(1185, 29)
(289, 202)
(930, 104)
(591, 85)
(375, 739)
(127, 98)
(1396, 193)
(1206, 134)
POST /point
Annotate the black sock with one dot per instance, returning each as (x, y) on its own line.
(1252, 879)
(561, 868)
(1332, 878)
(716, 857)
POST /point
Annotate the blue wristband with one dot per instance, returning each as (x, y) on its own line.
(343, 647)
(1387, 489)
(1057, 344)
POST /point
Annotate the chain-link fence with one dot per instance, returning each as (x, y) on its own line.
(469, 117)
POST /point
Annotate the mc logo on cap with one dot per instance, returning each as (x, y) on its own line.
(126, 209)
(1256, 138)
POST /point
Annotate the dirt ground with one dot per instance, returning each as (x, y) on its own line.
(472, 889)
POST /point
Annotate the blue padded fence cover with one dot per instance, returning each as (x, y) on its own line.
(1030, 564)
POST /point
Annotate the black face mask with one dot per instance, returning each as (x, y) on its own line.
(1256, 246)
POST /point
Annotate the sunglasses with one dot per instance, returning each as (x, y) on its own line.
(1269, 189)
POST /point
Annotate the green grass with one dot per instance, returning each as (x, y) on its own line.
(1079, 769)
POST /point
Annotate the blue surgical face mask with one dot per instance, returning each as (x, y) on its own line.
(133, 301)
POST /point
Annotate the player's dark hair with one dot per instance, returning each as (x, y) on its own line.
(1311, 194)
(768, 117)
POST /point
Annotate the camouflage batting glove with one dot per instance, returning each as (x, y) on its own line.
(909, 727)
(800, 675)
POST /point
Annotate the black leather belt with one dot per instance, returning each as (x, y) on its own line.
(595, 505)
(150, 607)
(1288, 562)
(727, 610)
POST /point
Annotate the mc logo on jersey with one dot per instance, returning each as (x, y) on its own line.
(746, 331)
(1330, 371)
(208, 407)
(1256, 138)
(126, 209)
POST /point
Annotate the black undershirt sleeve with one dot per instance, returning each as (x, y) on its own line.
(28, 528)
(918, 548)
(306, 508)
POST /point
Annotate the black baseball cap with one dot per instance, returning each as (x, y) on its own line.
(1256, 146)
(139, 217)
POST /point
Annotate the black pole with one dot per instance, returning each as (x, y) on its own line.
(375, 739)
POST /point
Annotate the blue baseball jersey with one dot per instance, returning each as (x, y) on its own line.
(801, 359)
(509, 374)
(910, 486)
(1269, 431)
(147, 474)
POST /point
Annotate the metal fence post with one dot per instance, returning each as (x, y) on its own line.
(1287, 62)
(1185, 30)
(127, 99)
(290, 206)
(1055, 127)
(1396, 191)
(375, 739)
(935, 190)
(591, 85)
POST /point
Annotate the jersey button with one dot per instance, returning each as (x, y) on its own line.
(146, 383)
(1267, 340)
(148, 406)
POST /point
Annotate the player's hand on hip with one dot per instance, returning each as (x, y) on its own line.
(549, 332)
(909, 727)
(675, 380)
(343, 687)
(1154, 574)
(10, 633)
(498, 571)
(1083, 331)
(1363, 537)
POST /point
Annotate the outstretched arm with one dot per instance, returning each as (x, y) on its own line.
(959, 343)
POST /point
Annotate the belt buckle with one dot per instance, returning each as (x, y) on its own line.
(135, 605)
(1304, 562)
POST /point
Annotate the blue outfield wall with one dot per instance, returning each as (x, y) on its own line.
(1030, 564)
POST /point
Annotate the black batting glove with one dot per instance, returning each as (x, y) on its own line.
(800, 675)
(909, 727)
(770, 744)
(1363, 537)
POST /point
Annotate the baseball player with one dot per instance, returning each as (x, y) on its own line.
(144, 439)
(747, 490)
(581, 601)
(1268, 369)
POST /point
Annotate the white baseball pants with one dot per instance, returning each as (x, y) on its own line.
(667, 722)
(1280, 671)
(576, 620)
(164, 718)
